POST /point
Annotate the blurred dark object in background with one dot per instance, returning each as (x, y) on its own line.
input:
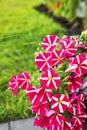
(78, 25)
(72, 28)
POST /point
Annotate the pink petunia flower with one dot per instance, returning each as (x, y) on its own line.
(50, 42)
(60, 103)
(13, 84)
(80, 104)
(78, 119)
(39, 107)
(73, 104)
(24, 80)
(66, 125)
(75, 83)
(55, 118)
(68, 47)
(44, 93)
(76, 104)
(51, 79)
(78, 43)
(43, 61)
(57, 57)
(79, 65)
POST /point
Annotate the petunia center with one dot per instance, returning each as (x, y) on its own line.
(16, 83)
(67, 48)
(59, 101)
(79, 65)
(46, 60)
(59, 58)
(51, 78)
(26, 79)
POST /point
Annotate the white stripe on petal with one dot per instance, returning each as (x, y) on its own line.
(49, 39)
(62, 96)
(78, 60)
(44, 78)
(34, 98)
(21, 78)
(39, 60)
(55, 105)
(54, 42)
(54, 83)
(61, 53)
(22, 84)
(58, 120)
(49, 73)
(43, 55)
(55, 54)
(65, 103)
(56, 78)
(55, 98)
(24, 75)
(61, 109)
(79, 71)
(45, 43)
(48, 83)
(30, 91)
(43, 66)
(74, 110)
(48, 47)
(49, 57)
(79, 83)
(84, 67)
(48, 65)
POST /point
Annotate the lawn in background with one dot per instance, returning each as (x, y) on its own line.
(22, 29)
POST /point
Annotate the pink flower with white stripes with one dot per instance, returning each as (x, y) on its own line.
(77, 42)
(40, 107)
(78, 119)
(24, 80)
(43, 61)
(75, 83)
(76, 104)
(50, 42)
(79, 65)
(68, 47)
(41, 93)
(54, 118)
(60, 103)
(57, 57)
(66, 125)
(13, 84)
(73, 104)
(51, 79)
(80, 104)
(44, 93)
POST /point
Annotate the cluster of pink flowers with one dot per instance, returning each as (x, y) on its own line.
(56, 111)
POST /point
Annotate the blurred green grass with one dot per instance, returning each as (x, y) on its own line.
(22, 29)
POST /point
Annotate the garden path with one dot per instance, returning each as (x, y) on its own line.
(24, 124)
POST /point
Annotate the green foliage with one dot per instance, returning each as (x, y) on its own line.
(22, 29)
